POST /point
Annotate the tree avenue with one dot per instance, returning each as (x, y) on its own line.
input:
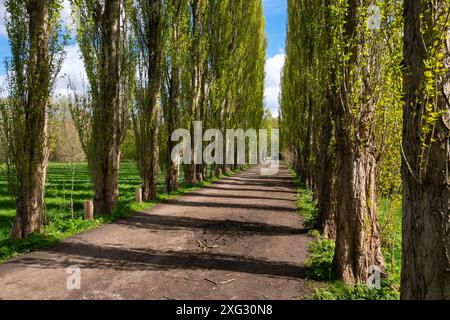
(353, 69)
(364, 118)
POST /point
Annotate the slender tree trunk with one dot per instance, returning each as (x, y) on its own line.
(32, 172)
(307, 148)
(326, 175)
(104, 153)
(145, 119)
(173, 165)
(426, 193)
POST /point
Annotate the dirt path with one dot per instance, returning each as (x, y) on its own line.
(239, 238)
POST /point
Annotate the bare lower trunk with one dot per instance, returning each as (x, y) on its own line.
(106, 185)
(426, 234)
(172, 176)
(30, 204)
(190, 175)
(150, 191)
(358, 238)
(190, 170)
(201, 172)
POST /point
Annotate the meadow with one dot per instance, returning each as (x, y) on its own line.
(68, 186)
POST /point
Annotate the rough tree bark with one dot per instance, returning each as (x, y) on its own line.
(147, 23)
(326, 186)
(190, 174)
(326, 180)
(104, 153)
(358, 236)
(174, 96)
(426, 193)
(31, 174)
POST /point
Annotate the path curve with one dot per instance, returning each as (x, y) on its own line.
(239, 238)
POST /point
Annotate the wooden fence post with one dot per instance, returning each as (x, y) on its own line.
(138, 195)
(89, 210)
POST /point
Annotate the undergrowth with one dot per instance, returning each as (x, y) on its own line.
(321, 252)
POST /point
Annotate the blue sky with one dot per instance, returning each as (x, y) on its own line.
(276, 17)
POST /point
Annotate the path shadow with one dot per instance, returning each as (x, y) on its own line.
(227, 205)
(232, 196)
(93, 256)
(246, 189)
(266, 184)
(163, 222)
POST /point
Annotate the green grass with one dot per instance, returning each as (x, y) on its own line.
(321, 252)
(306, 205)
(69, 186)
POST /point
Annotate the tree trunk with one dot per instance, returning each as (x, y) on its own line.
(145, 121)
(358, 234)
(426, 193)
(32, 172)
(104, 152)
(326, 175)
(30, 203)
(307, 148)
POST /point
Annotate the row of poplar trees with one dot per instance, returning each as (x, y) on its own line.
(151, 65)
(365, 114)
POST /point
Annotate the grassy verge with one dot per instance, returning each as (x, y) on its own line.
(320, 261)
(68, 186)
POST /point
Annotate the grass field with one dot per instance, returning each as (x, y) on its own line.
(69, 186)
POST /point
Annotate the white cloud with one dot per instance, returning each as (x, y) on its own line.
(72, 69)
(66, 16)
(2, 20)
(274, 66)
(2, 84)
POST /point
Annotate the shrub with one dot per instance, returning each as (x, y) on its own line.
(320, 261)
(339, 291)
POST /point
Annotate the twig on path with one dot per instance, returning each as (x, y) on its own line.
(205, 245)
(227, 281)
(212, 281)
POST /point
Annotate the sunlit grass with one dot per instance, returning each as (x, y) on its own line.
(69, 186)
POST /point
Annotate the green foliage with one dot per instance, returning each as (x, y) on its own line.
(390, 217)
(340, 291)
(320, 260)
(306, 205)
(128, 146)
(321, 252)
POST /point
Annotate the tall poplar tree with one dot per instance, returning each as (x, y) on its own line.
(102, 113)
(36, 39)
(147, 20)
(426, 157)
